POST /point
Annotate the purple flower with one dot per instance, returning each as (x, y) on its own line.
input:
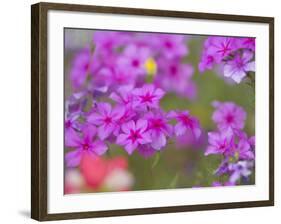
(220, 142)
(247, 42)
(148, 96)
(133, 59)
(108, 41)
(159, 129)
(105, 117)
(228, 114)
(215, 50)
(134, 134)
(123, 96)
(240, 169)
(238, 67)
(71, 122)
(175, 76)
(220, 47)
(81, 67)
(83, 143)
(186, 122)
(172, 46)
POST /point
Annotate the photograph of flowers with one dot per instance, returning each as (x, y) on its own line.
(152, 111)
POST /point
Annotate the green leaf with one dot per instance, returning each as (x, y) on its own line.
(156, 160)
(174, 182)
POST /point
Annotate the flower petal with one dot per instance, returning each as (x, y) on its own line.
(99, 147)
(73, 158)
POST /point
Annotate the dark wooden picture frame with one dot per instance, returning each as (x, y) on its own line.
(39, 105)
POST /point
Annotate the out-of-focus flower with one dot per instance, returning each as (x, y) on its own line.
(238, 67)
(83, 144)
(94, 170)
(220, 143)
(175, 76)
(119, 180)
(81, 67)
(123, 96)
(134, 134)
(133, 59)
(185, 122)
(229, 115)
(240, 169)
(172, 46)
(247, 42)
(73, 181)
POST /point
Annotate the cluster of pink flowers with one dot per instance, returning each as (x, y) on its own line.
(130, 58)
(118, 83)
(235, 55)
(134, 121)
(230, 141)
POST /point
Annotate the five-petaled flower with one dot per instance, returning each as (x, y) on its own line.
(134, 134)
(148, 96)
(186, 123)
(83, 143)
(105, 118)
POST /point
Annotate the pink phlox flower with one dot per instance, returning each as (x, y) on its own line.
(82, 143)
(159, 129)
(148, 96)
(105, 118)
(247, 43)
(133, 59)
(134, 134)
(220, 142)
(108, 41)
(172, 46)
(228, 114)
(80, 68)
(220, 47)
(175, 76)
(185, 123)
(123, 96)
(238, 67)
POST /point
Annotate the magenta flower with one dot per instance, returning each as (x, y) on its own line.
(133, 59)
(238, 67)
(186, 123)
(220, 47)
(123, 96)
(83, 143)
(159, 129)
(134, 134)
(244, 150)
(108, 41)
(172, 46)
(228, 114)
(105, 118)
(207, 61)
(148, 96)
(220, 143)
(247, 42)
(80, 68)
(175, 76)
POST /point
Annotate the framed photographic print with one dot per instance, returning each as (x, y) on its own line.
(138, 111)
